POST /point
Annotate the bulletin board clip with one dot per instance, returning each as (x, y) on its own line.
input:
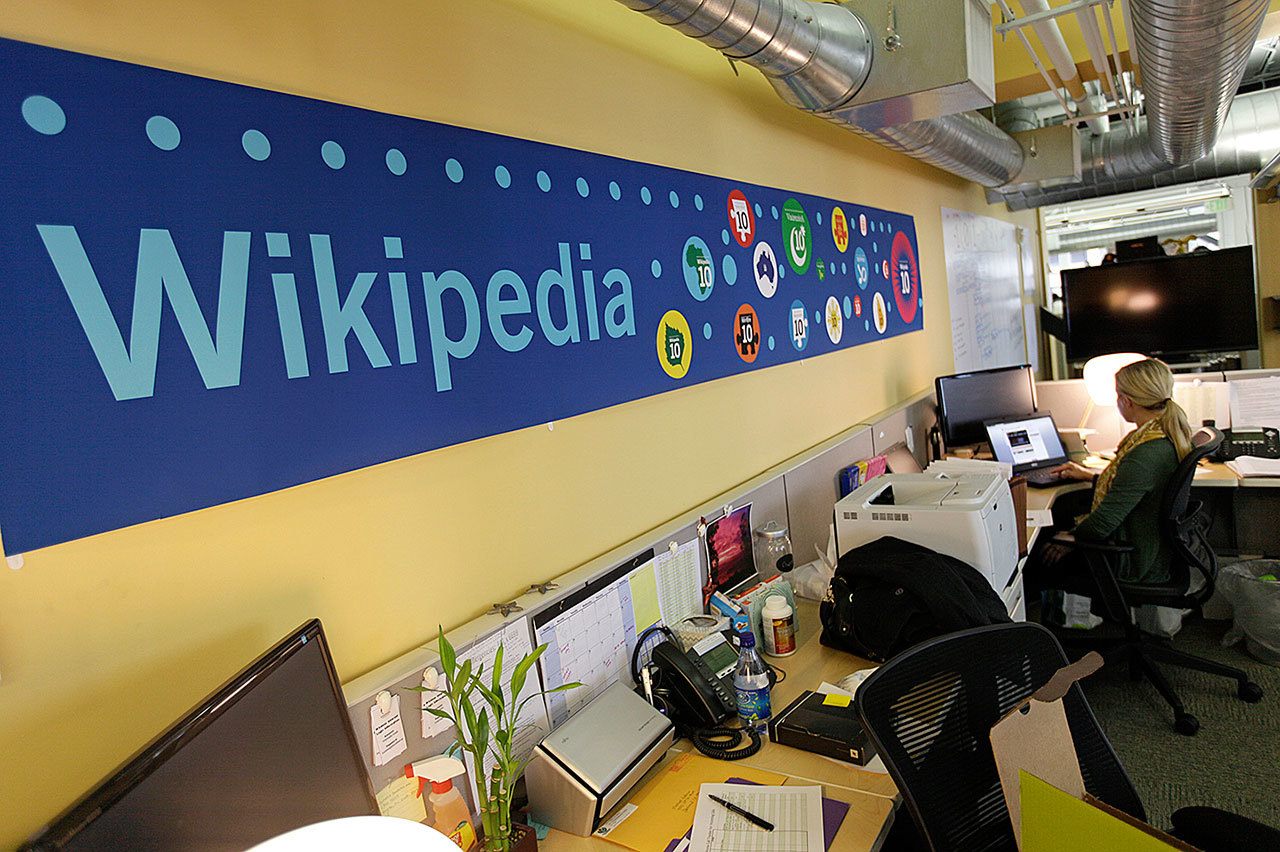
(672, 547)
(544, 587)
(505, 609)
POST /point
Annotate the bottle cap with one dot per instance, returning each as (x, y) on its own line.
(776, 603)
(748, 639)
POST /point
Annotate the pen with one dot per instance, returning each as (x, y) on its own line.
(765, 824)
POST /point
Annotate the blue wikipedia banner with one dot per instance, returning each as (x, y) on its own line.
(209, 291)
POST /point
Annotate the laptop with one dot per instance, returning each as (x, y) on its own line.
(1031, 444)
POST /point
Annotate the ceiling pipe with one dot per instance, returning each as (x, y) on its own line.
(1055, 47)
(1192, 54)
(1120, 161)
(817, 56)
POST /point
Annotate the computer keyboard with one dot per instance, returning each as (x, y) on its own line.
(1042, 478)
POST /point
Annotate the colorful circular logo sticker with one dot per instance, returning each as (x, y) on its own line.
(884, 269)
(862, 223)
(799, 325)
(906, 290)
(797, 236)
(861, 269)
(765, 268)
(857, 306)
(840, 230)
(675, 344)
(746, 333)
(699, 268)
(879, 313)
(834, 320)
(742, 220)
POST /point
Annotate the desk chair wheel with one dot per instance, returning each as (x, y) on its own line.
(1186, 724)
(1250, 692)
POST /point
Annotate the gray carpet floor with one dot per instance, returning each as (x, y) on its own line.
(1233, 763)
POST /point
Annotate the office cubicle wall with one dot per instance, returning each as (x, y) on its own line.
(1068, 400)
(799, 493)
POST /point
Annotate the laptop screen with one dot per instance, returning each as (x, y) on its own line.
(1027, 442)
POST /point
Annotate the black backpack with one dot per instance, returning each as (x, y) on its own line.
(889, 595)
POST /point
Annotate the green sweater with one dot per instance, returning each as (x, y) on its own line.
(1130, 513)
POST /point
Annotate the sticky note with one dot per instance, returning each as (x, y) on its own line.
(400, 799)
(836, 700)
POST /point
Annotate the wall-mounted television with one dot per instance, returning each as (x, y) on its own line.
(271, 750)
(1178, 305)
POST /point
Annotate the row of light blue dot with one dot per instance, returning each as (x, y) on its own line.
(46, 116)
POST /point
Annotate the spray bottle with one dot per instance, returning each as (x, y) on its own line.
(449, 810)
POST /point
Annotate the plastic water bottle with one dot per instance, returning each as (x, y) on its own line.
(751, 683)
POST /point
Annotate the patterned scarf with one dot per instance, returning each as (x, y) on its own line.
(1149, 431)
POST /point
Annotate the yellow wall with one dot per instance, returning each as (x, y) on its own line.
(105, 641)
(1267, 228)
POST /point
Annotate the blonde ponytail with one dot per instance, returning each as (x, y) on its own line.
(1149, 384)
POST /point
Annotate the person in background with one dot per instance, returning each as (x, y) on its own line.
(1108, 258)
(1125, 505)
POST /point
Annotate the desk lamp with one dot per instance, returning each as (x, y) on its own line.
(361, 832)
(1100, 380)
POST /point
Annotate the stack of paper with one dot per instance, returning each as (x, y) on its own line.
(795, 814)
(1249, 466)
(1255, 402)
(957, 467)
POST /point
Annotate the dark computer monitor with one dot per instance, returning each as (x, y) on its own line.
(1181, 305)
(270, 751)
(966, 401)
(1140, 248)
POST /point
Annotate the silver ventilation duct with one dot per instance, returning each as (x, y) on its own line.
(1192, 54)
(1118, 162)
(817, 56)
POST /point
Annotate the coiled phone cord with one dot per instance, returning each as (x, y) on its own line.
(724, 743)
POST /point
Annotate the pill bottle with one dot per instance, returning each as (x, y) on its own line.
(778, 624)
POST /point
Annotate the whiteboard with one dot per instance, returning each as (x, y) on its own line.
(984, 285)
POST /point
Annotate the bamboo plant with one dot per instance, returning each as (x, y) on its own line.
(486, 715)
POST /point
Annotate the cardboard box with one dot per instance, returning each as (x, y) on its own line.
(1043, 788)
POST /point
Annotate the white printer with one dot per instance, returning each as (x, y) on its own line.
(969, 517)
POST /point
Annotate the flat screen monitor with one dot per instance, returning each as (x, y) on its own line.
(1179, 305)
(270, 751)
(966, 401)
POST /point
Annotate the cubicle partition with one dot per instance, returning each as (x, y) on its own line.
(799, 493)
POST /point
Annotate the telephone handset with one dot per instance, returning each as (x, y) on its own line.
(696, 696)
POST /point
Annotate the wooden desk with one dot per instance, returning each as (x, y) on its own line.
(872, 795)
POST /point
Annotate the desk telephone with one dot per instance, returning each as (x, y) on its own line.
(1262, 442)
(695, 689)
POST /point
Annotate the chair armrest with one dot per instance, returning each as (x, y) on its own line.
(1213, 830)
(1068, 540)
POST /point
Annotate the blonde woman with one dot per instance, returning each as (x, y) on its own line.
(1128, 493)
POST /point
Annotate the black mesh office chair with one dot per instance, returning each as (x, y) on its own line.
(1194, 570)
(929, 712)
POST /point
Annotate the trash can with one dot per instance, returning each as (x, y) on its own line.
(1252, 589)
